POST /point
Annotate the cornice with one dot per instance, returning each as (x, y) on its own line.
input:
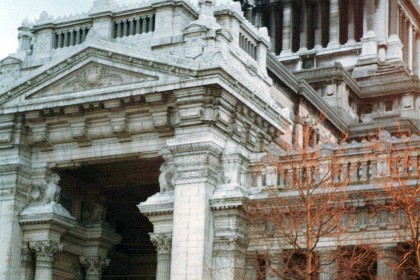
(301, 87)
(325, 74)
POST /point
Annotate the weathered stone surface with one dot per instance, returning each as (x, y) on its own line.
(183, 109)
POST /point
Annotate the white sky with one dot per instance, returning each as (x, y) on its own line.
(13, 12)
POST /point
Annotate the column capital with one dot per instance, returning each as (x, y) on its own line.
(94, 264)
(45, 249)
(162, 242)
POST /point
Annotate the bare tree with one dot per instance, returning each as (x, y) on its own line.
(401, 182)
(307, 208)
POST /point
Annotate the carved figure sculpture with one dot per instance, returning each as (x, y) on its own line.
(52, 191)
(166, 177)
(93, 212)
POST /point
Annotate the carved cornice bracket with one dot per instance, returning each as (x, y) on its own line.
(79, 132)
(7, 127)
(161, 121)
(40, 136)
(119, 126)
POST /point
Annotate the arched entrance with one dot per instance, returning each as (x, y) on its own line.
(109, 192)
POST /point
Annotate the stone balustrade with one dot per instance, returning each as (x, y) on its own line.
(349, 164)
(133, 26)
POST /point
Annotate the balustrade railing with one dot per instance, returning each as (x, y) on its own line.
(349, 164)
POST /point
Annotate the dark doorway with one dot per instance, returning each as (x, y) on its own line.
(118, 187)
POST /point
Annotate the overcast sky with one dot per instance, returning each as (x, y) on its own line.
(13, 12)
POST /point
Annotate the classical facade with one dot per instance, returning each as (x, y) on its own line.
(133, 138)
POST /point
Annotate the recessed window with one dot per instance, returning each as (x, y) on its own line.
(389, 105)
(367, 108)
(308, 62)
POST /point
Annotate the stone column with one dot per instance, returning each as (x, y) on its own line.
(144, 27)
(44, 252)
(393, 19)
(26, 261)
(163, 244)
(369, 15)
(71, 41)
(84, 33)
(132, 31)
(381, 22)
(351, 23)
(138, 26)
(257, 17)
(94, 266)
(386, 261)
(119, 29)
(273, 27)
(328, 265)
(66, 39)
(417, 56)
(287, 29)
(125, 28)
(196, 176)
(410, 46)
(318, 29)
(334, 24)
(60, 40)
(304, 28)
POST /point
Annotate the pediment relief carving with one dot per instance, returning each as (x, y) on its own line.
(93, 76)
(10, 60)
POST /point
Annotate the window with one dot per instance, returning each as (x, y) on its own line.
(356, 262)
(261, 268)
(295, 262)
(389, 106)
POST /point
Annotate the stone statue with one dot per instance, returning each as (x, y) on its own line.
(166, 177)
(93, 212)
(52, 190)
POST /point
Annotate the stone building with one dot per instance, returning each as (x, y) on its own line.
(133, 137)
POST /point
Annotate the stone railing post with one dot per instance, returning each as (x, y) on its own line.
(44, 252)
(163, 243)
(94, 266)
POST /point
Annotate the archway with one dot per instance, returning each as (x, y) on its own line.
(109, 192)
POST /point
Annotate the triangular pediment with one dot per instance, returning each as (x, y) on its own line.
(195, 27)
(93, 76)
(92, 72)
(10, 60)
